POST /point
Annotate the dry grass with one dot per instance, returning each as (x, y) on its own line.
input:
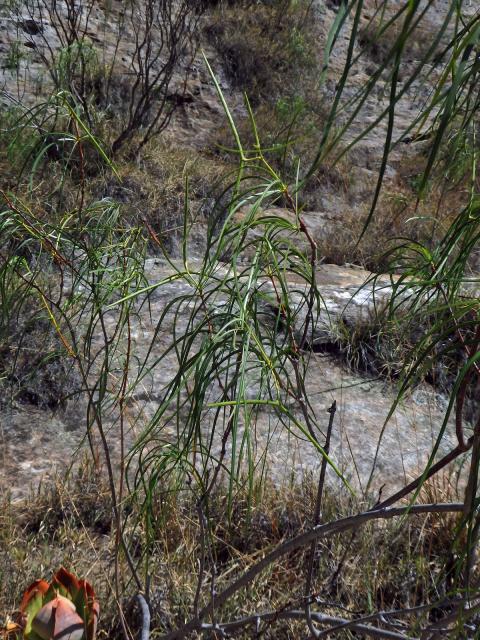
(288, 130)
(393, 221)
(401, 215)
(152, 189)
(34, 369)
(264, 46)
(376, 38)
(270, 52)
(382, 566)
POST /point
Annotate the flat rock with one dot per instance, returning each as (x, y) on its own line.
(37, 443)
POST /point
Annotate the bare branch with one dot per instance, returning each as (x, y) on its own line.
(319, 618)
(317, 517)
(321, 531)
(145, 633)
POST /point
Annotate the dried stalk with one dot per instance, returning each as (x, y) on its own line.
(317, 520)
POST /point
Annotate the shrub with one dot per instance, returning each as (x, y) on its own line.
(266, 48)
(164, 40)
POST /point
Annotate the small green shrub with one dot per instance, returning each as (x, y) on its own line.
(15, 55)
(76, 63)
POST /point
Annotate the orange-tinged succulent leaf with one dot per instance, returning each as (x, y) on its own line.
(58, 620)
(39, 587)
(32, 602)
(88, 608)
(66, 584)
(65, 609)
(67, 580)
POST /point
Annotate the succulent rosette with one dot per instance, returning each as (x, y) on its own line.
(64, 609)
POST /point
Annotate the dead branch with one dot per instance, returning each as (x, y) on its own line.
(321, 531)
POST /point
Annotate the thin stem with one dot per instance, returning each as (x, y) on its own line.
(317, 519)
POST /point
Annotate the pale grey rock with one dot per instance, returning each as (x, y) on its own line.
(36, 443)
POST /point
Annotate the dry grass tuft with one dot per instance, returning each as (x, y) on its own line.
(264, 46)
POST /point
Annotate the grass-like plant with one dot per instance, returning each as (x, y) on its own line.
(241, 348)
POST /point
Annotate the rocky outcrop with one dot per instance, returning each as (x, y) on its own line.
(37, 442)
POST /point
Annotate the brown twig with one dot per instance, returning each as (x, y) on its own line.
(317, 519)
(319, 618)
(434, 469)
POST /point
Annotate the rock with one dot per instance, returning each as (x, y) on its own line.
(32, 27)
(363, 406)
(349, 295)
(36, 442)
